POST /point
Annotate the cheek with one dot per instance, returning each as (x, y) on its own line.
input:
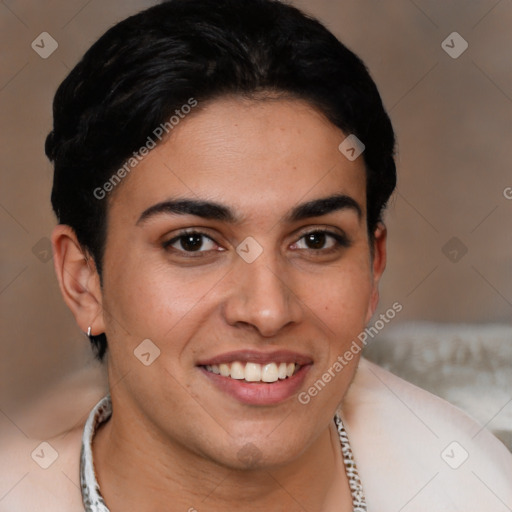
(151, 300)
(340, 296)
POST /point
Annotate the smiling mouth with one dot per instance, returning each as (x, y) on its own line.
(254, 372)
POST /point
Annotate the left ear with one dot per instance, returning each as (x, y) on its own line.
(378, 265)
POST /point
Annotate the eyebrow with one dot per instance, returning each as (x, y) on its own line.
(216, 211)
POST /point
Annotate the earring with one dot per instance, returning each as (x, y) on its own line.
(89, 331)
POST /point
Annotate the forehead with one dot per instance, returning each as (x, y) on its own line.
(258, 156)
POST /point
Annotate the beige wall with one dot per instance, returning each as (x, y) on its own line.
(453, 118)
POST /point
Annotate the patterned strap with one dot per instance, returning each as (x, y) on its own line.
(91, 496)
(356, 487)
(93, 500)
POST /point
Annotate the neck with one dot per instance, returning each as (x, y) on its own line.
(135, 472)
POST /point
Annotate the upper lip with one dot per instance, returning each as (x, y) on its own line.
(254, 356)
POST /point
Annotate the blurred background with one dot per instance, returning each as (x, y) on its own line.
(444, 71)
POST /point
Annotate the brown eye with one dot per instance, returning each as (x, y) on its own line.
(321, 241)
(191, 242)
(315, 240)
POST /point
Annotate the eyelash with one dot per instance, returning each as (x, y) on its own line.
(341, 242)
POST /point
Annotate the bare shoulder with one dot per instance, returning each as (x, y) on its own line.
(414, 448)
(40, 449)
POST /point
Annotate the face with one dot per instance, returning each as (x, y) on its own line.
(240, 247)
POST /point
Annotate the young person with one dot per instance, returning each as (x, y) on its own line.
(221, 171)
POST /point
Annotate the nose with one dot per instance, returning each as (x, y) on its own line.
(261, 297)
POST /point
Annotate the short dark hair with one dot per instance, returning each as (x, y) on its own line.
(150, 64)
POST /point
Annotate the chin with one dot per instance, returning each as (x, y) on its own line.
(258, 453)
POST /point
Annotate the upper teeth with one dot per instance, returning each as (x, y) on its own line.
(254, 372)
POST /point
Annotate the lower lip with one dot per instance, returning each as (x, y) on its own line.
(259, 393)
